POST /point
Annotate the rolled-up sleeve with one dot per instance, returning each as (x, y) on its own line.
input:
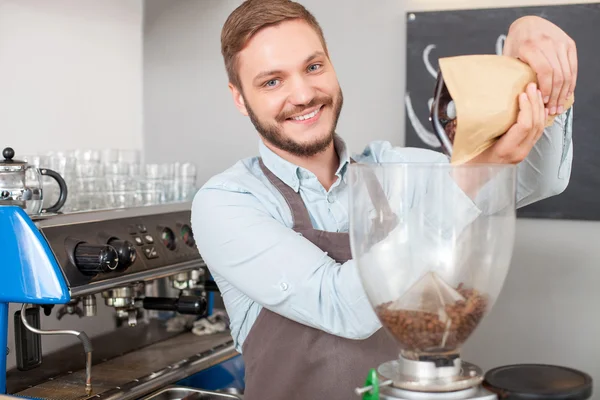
(277, 267)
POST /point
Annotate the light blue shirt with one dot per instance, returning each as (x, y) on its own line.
(242, 226)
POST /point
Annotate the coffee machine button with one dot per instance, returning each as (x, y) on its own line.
(150, 252)
(138, 241)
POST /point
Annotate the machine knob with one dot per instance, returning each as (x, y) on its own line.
(92, 259)
(126, 251)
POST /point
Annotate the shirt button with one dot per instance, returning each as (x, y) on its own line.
(283, 286)
(331, 199)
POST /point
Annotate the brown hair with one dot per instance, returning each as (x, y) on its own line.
(252, 16)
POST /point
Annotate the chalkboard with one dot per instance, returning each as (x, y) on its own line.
(431, 35)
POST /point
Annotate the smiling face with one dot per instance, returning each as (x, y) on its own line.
(289, 88)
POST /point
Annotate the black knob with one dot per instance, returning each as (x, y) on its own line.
(92, 259)
(183, 304)
(126, 251)
(8, 153)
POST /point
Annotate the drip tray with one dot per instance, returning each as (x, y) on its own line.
(188, 393)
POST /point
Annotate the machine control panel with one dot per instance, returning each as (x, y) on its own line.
(96, 250)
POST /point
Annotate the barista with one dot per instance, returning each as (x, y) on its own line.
(273, 229)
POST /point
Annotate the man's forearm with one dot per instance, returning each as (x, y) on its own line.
(278, 268)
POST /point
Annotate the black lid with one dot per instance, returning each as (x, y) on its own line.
(538, 381)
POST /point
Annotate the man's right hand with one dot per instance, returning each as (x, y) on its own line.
(551, 53)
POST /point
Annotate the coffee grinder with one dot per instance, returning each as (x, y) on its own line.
(433, 248)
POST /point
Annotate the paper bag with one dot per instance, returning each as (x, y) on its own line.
(485, 90)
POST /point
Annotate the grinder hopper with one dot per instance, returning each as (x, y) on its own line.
(433, 246)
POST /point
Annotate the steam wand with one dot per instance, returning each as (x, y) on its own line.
(87, 346)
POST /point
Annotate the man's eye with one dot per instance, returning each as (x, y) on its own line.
(314, 67)
(271, 82)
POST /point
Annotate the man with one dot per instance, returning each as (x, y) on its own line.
(273, 229)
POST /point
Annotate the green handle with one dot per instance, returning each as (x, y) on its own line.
(372, 381)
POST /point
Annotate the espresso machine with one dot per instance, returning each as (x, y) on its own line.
(433, 245)
(67, 264)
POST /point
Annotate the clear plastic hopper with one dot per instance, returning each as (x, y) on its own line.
(433, 244)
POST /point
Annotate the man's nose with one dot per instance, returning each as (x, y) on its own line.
(301, 91)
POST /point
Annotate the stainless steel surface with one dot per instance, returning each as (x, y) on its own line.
(476, 393)
(107, 215)
(89, 306)
(143, 276)
(140, 372)
(169, 374)
(107, 346)
(123, 299)
(41, 332)
(235, 391)
(188, 280)
(468, 376)
(181, 392)
(12, 168)
(126, 292)
(428, 370)
(88, 373)
(88, 353)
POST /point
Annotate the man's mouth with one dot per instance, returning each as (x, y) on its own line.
(308, 117)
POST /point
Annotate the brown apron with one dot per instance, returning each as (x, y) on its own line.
(286, 360)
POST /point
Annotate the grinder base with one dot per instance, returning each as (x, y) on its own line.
(426, 376)
(474, 393)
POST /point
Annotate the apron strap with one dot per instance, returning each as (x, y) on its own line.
(294, 201)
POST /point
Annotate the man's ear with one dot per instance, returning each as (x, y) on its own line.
(238, 99)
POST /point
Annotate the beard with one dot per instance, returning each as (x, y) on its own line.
(275, 136)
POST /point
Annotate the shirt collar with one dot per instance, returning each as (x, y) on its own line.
(343, 154)
(290, 173)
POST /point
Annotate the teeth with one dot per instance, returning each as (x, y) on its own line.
(307, 116)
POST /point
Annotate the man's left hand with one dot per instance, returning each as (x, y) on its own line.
(514, 146)
(550, 52)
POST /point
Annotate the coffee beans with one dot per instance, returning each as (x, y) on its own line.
(435, 331)
(450, 129)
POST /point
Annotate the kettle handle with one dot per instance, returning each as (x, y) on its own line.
(62, 198)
